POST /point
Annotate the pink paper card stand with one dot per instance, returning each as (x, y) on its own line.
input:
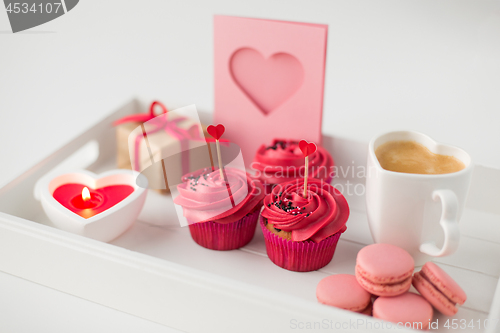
(269, 80)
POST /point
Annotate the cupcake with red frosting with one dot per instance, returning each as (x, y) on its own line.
(222, 213)
(283, 161)
(301, 234)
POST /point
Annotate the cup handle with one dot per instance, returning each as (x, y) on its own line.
(449, 223)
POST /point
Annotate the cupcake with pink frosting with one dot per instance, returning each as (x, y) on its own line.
(222, 213)
(301, 234)
(283, 161)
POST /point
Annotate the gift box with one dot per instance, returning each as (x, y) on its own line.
(146, 141)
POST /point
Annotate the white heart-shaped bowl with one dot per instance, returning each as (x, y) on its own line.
(106, 225)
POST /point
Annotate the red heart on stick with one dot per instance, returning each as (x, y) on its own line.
(307, 147)
(216, 131)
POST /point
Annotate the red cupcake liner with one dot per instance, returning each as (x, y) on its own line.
(224, 237)
(303, 256)
(268, 188)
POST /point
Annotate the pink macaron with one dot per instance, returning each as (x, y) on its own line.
(439, 289)
(384, 269)
(409, 309)
(343, 291)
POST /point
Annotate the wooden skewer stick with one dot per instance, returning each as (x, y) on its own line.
(307, 149)
(220, 159)
(306, 172)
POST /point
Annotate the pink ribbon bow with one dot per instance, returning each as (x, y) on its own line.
(141, 117)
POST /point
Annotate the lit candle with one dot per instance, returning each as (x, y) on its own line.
(86, 200)
(101, 207)
(87, 203)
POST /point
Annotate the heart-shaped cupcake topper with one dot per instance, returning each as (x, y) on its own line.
(307, 149)
(216, 132)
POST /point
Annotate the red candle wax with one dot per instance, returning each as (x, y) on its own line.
(101, 199)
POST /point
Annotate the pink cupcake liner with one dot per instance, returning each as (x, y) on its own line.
(224, 237)
(303, 256)
(268, 188)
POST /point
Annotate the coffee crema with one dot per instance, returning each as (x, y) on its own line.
(412, 157)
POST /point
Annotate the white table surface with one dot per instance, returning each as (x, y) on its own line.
(431, 66)
(28, 307)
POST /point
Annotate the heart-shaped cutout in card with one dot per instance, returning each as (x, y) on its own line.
(216, 131)
(268, 83)
(307, 148)
(29, 13)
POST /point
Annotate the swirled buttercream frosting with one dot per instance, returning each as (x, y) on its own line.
(322, 213)
(205, 196)
(283, 161)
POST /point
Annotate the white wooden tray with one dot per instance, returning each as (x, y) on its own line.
(155, 271)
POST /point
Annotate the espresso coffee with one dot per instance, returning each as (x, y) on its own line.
(412, 157)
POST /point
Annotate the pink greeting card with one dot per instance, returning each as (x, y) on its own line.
(269, 80)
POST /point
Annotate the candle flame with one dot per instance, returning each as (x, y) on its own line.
(85, 194)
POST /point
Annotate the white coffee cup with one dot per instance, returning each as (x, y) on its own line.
(417, 212)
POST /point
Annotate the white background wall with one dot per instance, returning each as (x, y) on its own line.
(428, 65)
